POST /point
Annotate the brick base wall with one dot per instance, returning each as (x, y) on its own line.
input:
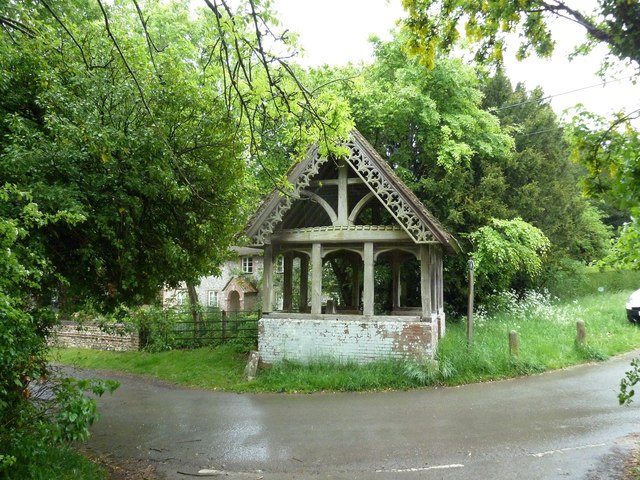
(91, 336)
(349, 338)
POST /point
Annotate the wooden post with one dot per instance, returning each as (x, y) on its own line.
(368, 294)
(267, 280)
(425, 282)
(581, 333)
(395, 283)
(304, 283)
(470, 266)
(514, 344)
(316, 279)
(356, 265)
(343, 200)
(287, 287)
(223, 322)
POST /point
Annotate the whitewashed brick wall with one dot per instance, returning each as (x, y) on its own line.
(305, 339)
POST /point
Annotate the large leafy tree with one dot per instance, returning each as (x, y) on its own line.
(543, 182)
(611, 153)
(142, 118)
(430, 125)
(601, 145)
(437, 25)
(128, 131)
(468, 165)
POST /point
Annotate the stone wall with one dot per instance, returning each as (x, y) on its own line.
(343, 337)
(91, 336)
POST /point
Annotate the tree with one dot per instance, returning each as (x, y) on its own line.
(132, 129)
(506, 249)
(435, 25)
(430, 126)
(543, 182)
(611, 153)
(470, 160)
(140, 121)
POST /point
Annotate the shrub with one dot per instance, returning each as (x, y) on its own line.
(156, 327)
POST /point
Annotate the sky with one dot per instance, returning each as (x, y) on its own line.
(335, 32)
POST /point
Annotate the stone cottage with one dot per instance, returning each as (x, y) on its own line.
(233, 290)
(353, 224)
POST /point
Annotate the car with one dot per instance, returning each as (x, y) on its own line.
(633, 307)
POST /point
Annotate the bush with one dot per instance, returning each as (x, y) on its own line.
(56, 411)
(156, 327)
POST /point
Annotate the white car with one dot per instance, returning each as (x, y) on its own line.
(633, 307)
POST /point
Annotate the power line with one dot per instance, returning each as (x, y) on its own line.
(565, 93)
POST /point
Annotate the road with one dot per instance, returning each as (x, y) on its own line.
(563, 424)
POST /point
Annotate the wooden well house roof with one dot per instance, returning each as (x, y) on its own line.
(344, 201)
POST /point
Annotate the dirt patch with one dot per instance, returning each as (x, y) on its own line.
(128, 469)
(632, 463)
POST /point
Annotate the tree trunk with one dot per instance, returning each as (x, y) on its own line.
(194, 306)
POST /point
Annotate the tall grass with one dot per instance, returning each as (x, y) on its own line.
(546, 327)
(57, 461)
(546, 330)
(547, 334)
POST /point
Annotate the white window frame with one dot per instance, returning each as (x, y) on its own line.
(247, 264)
(180, 297)
(213, 299)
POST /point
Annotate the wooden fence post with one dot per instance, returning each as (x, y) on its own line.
(470, 267)
(513, 343)
(581, 333)
(223, 321)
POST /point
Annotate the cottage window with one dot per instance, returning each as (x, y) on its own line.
(247, 264)
(213, 300)
(180, 297)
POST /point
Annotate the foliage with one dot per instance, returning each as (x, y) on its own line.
(610, 151)
(630, 380)
(139, 121)
(127, 133)
(155, 327)
(506, 249)
(542, 181)
(59, 411)
(59, 462)
(436, 26)
(624, 251)
(74, 411)
(547, 329)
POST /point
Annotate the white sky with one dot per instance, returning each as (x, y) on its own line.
(335, 32)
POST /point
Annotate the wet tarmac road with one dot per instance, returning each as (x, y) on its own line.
(564, 424)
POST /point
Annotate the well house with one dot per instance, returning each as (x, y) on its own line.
(350, 223)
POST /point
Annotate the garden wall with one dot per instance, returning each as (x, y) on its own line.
(70, 334)
(344, 338)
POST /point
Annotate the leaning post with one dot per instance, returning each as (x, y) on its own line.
(513, 343)
(470, 267)
(581, 333)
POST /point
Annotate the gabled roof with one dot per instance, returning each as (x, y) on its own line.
(410, 214)
(240, 283)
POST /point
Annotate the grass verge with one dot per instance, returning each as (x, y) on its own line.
(546, 329)
(217, 368)
(57, 461)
